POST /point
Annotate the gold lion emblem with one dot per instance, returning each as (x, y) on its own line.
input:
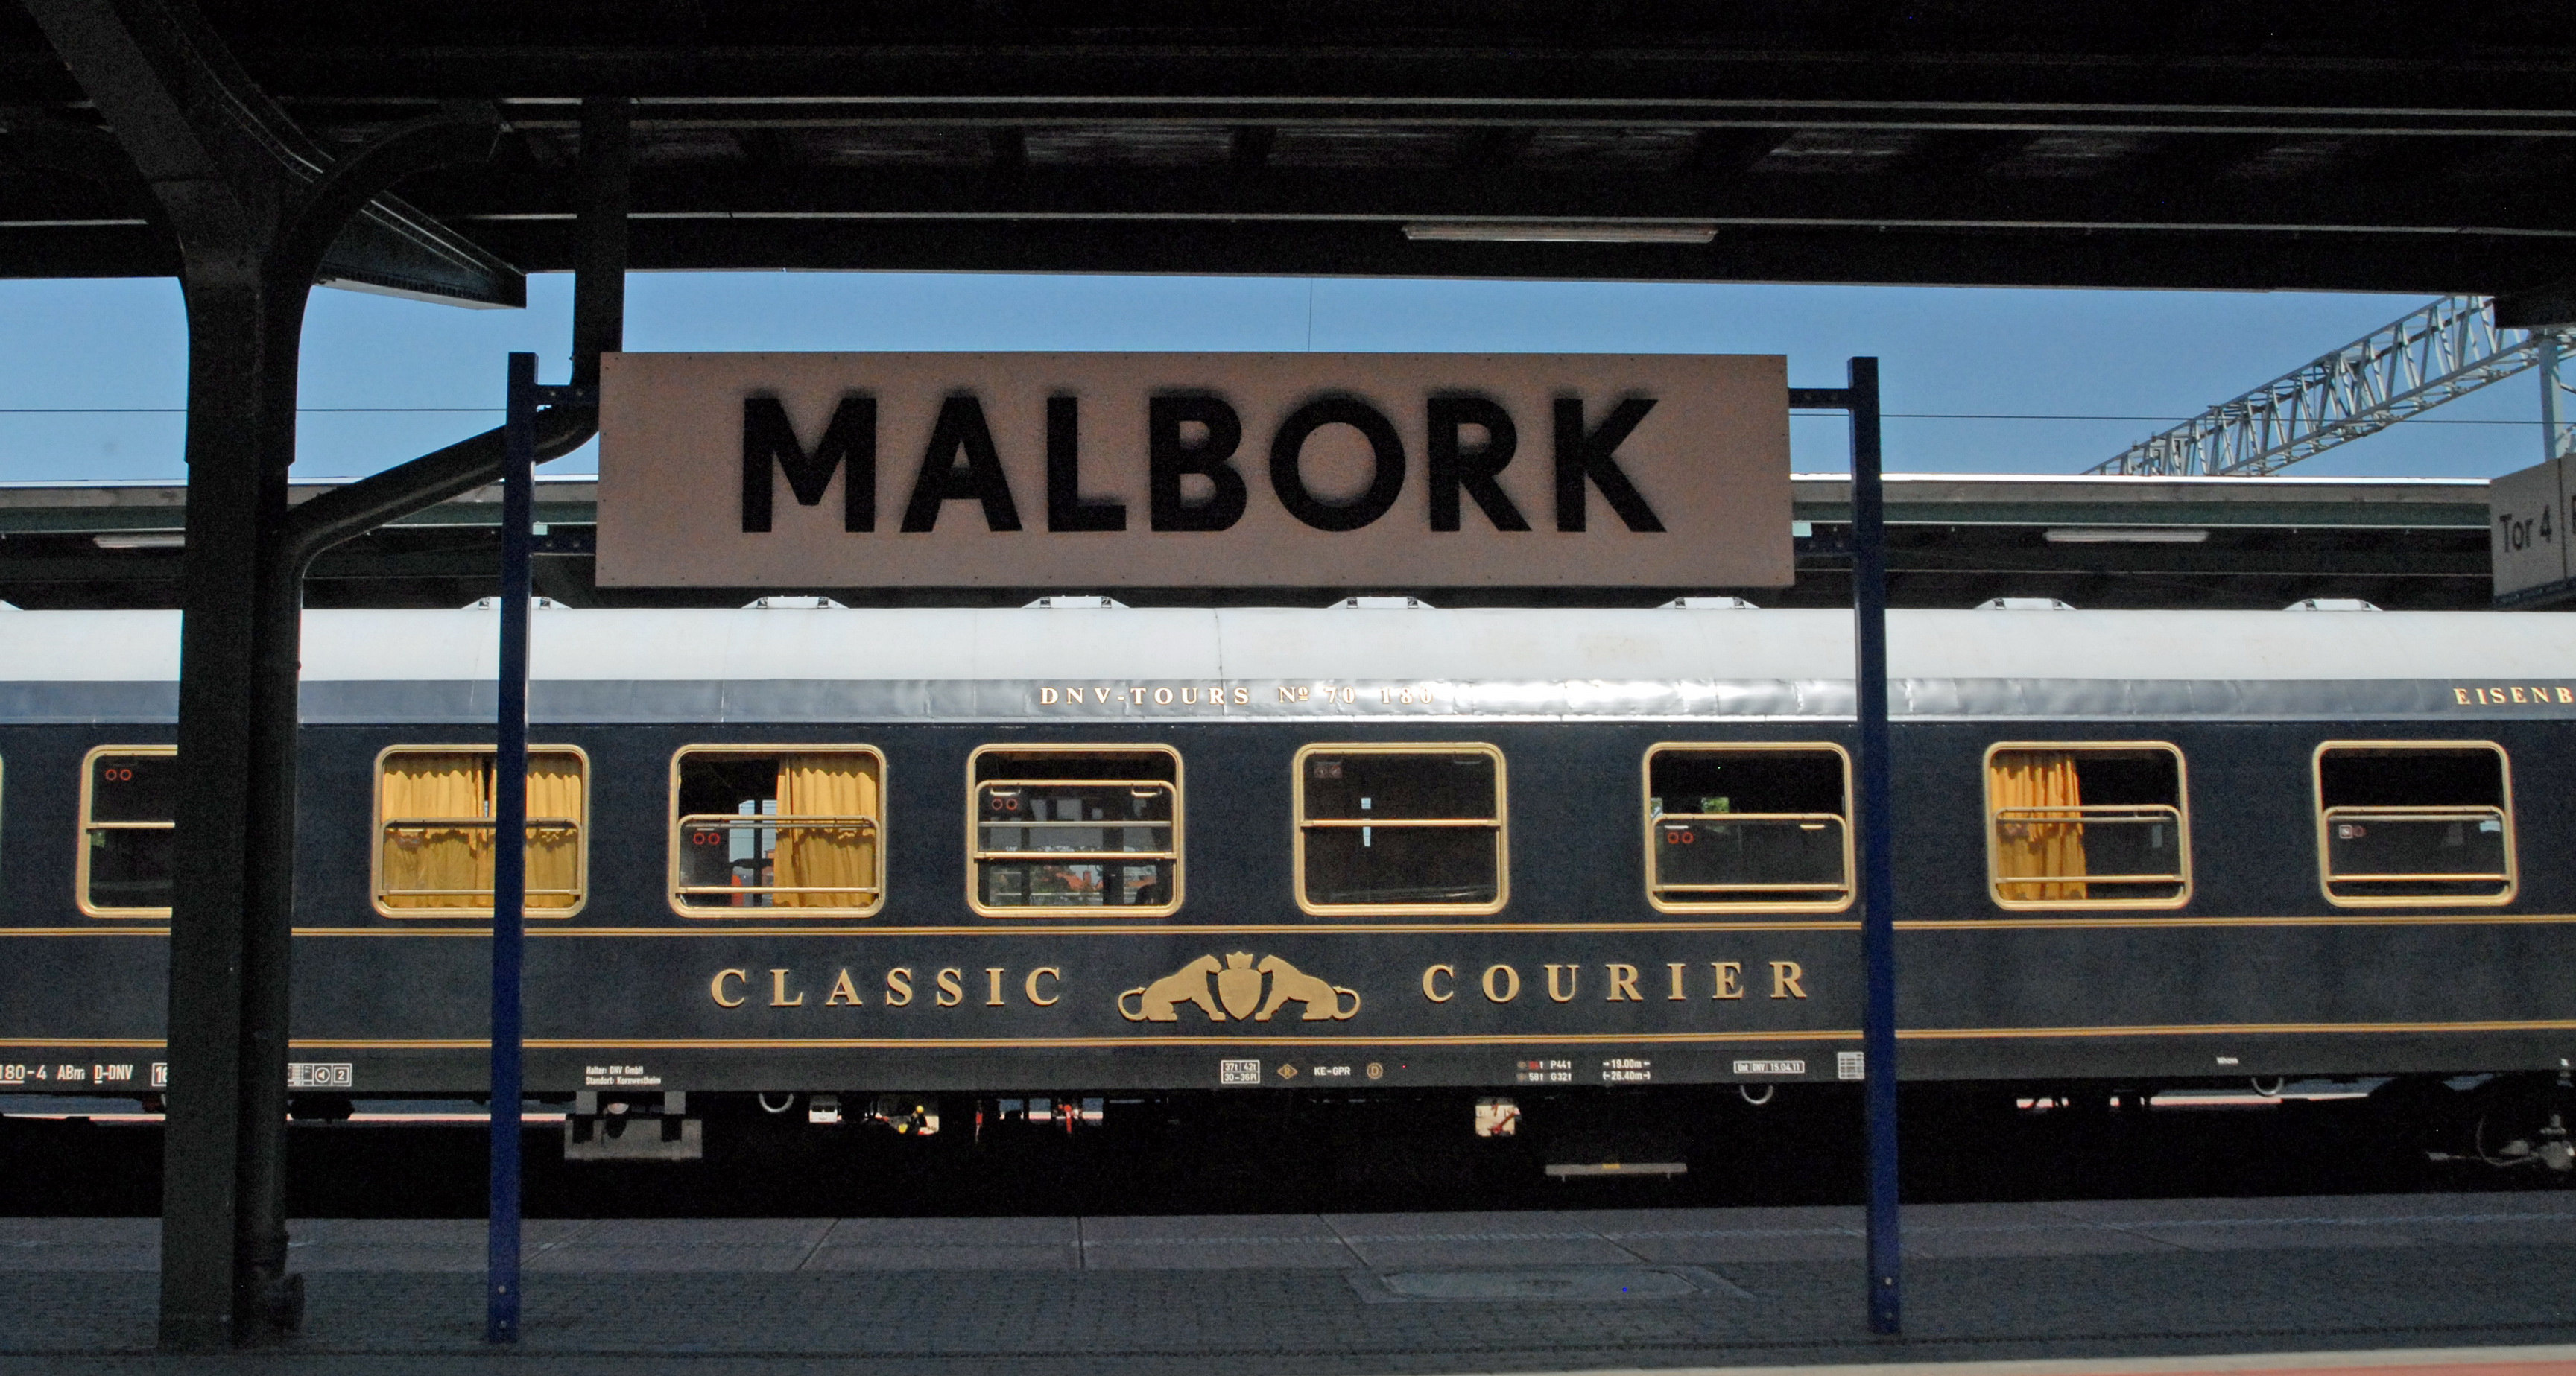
(1240, 989)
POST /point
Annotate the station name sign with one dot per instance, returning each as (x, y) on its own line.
(1100, 470)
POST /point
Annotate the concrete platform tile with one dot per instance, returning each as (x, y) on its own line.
(428, 1232)
(2007, 1240)
(1491, 1249)
(81, 1232)
(1716, 1247)
(335, 1257)
(1702, 1236)
(1674, 1222)
(1219, 1254)
(899, 1256)
(677, 1233)
(80, 1244)
(2393, 1208)
(955, 1232)
(37, 1258)
(580, 1260)
(1409, 1224)
(2324, 1235)
(1250, 1227)
(2014, 1230)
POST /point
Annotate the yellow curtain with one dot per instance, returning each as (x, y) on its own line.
(2037, 779)
(459, 784)
(826, 857)
(437, 785)
(554, 852)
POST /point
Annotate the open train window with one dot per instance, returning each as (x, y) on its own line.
(797, 828)
(128, 806)
(434, 840)
(1071, 830)
(2087, 825)
(1748, 826)
(2414, 823)
(1417, 828)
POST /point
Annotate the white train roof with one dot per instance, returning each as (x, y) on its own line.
(1492, 645)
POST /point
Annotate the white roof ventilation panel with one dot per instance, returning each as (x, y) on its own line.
(1711, 604)
(2331, 604)
(493, 604)
(2024, 604)
(1380, 604)
(793, 604)
(1075, 603)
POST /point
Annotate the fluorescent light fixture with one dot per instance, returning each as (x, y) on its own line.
(143, 539)
(1557, 232)
(2126, 535)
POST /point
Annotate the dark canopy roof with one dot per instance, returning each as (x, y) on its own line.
(2368, 146)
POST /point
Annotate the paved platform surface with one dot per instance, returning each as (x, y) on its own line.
(1375, 1293)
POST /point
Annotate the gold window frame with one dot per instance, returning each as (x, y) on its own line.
(377, 823)
(677, 821)
(1500, 822)
(80, 867)
(976, 853)
(2180, 811)
(1646, 790)
(2512, 876)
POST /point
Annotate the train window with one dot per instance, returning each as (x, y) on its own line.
(2087, 825)
(1748, 826)
(2414, 823)
(1416, 827)
(1066, 830)
(769, 827)
(434, 841)
(129, 799)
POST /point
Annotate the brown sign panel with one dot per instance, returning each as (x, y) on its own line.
(1164, 470)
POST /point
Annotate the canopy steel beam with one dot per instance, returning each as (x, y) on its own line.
(1485, 58)
(1277, 195)
(1244, 137)
(2436, 354)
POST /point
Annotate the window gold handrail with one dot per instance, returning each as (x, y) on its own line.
(131, 826)
(2091, 812)
(2436, 814)
(1817, 887)
(2439, 812)
(470, 893)
(465, 823)
(1075, 857)
(1095, 823)
(711, 821)
(1834, 817)
(778, 888)
(2446, 877)
(2171, 877)
(1400, 822)
(1163, 784)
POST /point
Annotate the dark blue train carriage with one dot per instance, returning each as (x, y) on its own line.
(1091, 848)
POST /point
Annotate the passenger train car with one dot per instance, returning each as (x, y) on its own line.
(1082, 847)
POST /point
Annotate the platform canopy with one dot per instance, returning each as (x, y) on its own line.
(2351, 146)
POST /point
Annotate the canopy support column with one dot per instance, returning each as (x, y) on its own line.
(256, 209)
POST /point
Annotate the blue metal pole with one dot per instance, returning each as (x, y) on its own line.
(1877, 838)
(509, 848)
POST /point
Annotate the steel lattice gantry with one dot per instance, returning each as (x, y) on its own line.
(2430, 356)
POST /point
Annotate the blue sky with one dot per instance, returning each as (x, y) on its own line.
(83, 364)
